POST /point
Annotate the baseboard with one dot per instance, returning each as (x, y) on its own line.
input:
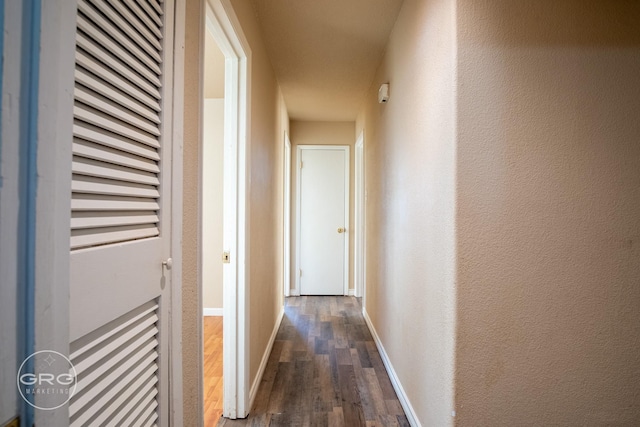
(294, 293)
(265, 359)
(352, 292)
(395, 381)
(212, 311)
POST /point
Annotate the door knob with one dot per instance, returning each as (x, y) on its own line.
(168, 263)
(341, 230)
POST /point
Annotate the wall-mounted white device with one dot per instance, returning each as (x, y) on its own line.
(383, 93)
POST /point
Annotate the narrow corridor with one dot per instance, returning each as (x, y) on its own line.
(324, 370)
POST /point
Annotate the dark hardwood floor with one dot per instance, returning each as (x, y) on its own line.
(324, 370)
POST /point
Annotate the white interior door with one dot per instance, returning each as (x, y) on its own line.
(323, 209)
(120, 213)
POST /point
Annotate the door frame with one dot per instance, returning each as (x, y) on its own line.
(347, 167)
(286, 265)
(50, 119)
(359, 257)
(176, 407)
(227, 32)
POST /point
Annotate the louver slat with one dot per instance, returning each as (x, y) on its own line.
(90, 150)
(108, 60)
(118, 97)
(84, 202)
(93, 388)
(117, 122)
(156, 6)
(81, 346)
(107, 43)
(134, 418)
(132, 218)
(130, 30)
(117, 368)
(100, 169)
(120, 143)
(140, 399)
(125, 86)
(105, 170)
(148, 416)
(155, 29)
(90, 185)
(101, 236)
(94, 117)
(114, 110)
(150, 12)
(128, 394)
(130, 17)
(122, 37)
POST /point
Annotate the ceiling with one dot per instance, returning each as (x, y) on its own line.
(325, 52)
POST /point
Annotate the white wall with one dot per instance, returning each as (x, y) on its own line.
(410, 209)
(212, 180)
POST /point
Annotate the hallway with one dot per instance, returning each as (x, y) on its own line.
(324, 370)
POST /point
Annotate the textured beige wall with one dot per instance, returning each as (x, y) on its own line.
(191, 331)
(213, 67)
(410, 181)
(269, 121)
(212, 180)
(321, 133)
(548, 213)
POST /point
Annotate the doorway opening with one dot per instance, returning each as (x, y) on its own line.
(212, 189)
(225, 130)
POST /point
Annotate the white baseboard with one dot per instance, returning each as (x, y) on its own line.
(212, 311)
(294, 293)
(265, 359)
(352, 292)
(395, 381)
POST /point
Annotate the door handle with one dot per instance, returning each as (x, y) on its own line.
(168, 263)
(342, 230)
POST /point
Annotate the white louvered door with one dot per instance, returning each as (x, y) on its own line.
(120, 213)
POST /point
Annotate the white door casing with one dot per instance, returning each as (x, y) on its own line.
(286, 274)
(228, 35)
(121, 212)
(322, 220)
(359, 221)
(55, 50)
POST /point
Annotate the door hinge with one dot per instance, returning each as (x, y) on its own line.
(301, 164)
(300, 273)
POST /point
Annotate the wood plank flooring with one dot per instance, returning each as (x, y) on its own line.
(212, 369)
(324, 370)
